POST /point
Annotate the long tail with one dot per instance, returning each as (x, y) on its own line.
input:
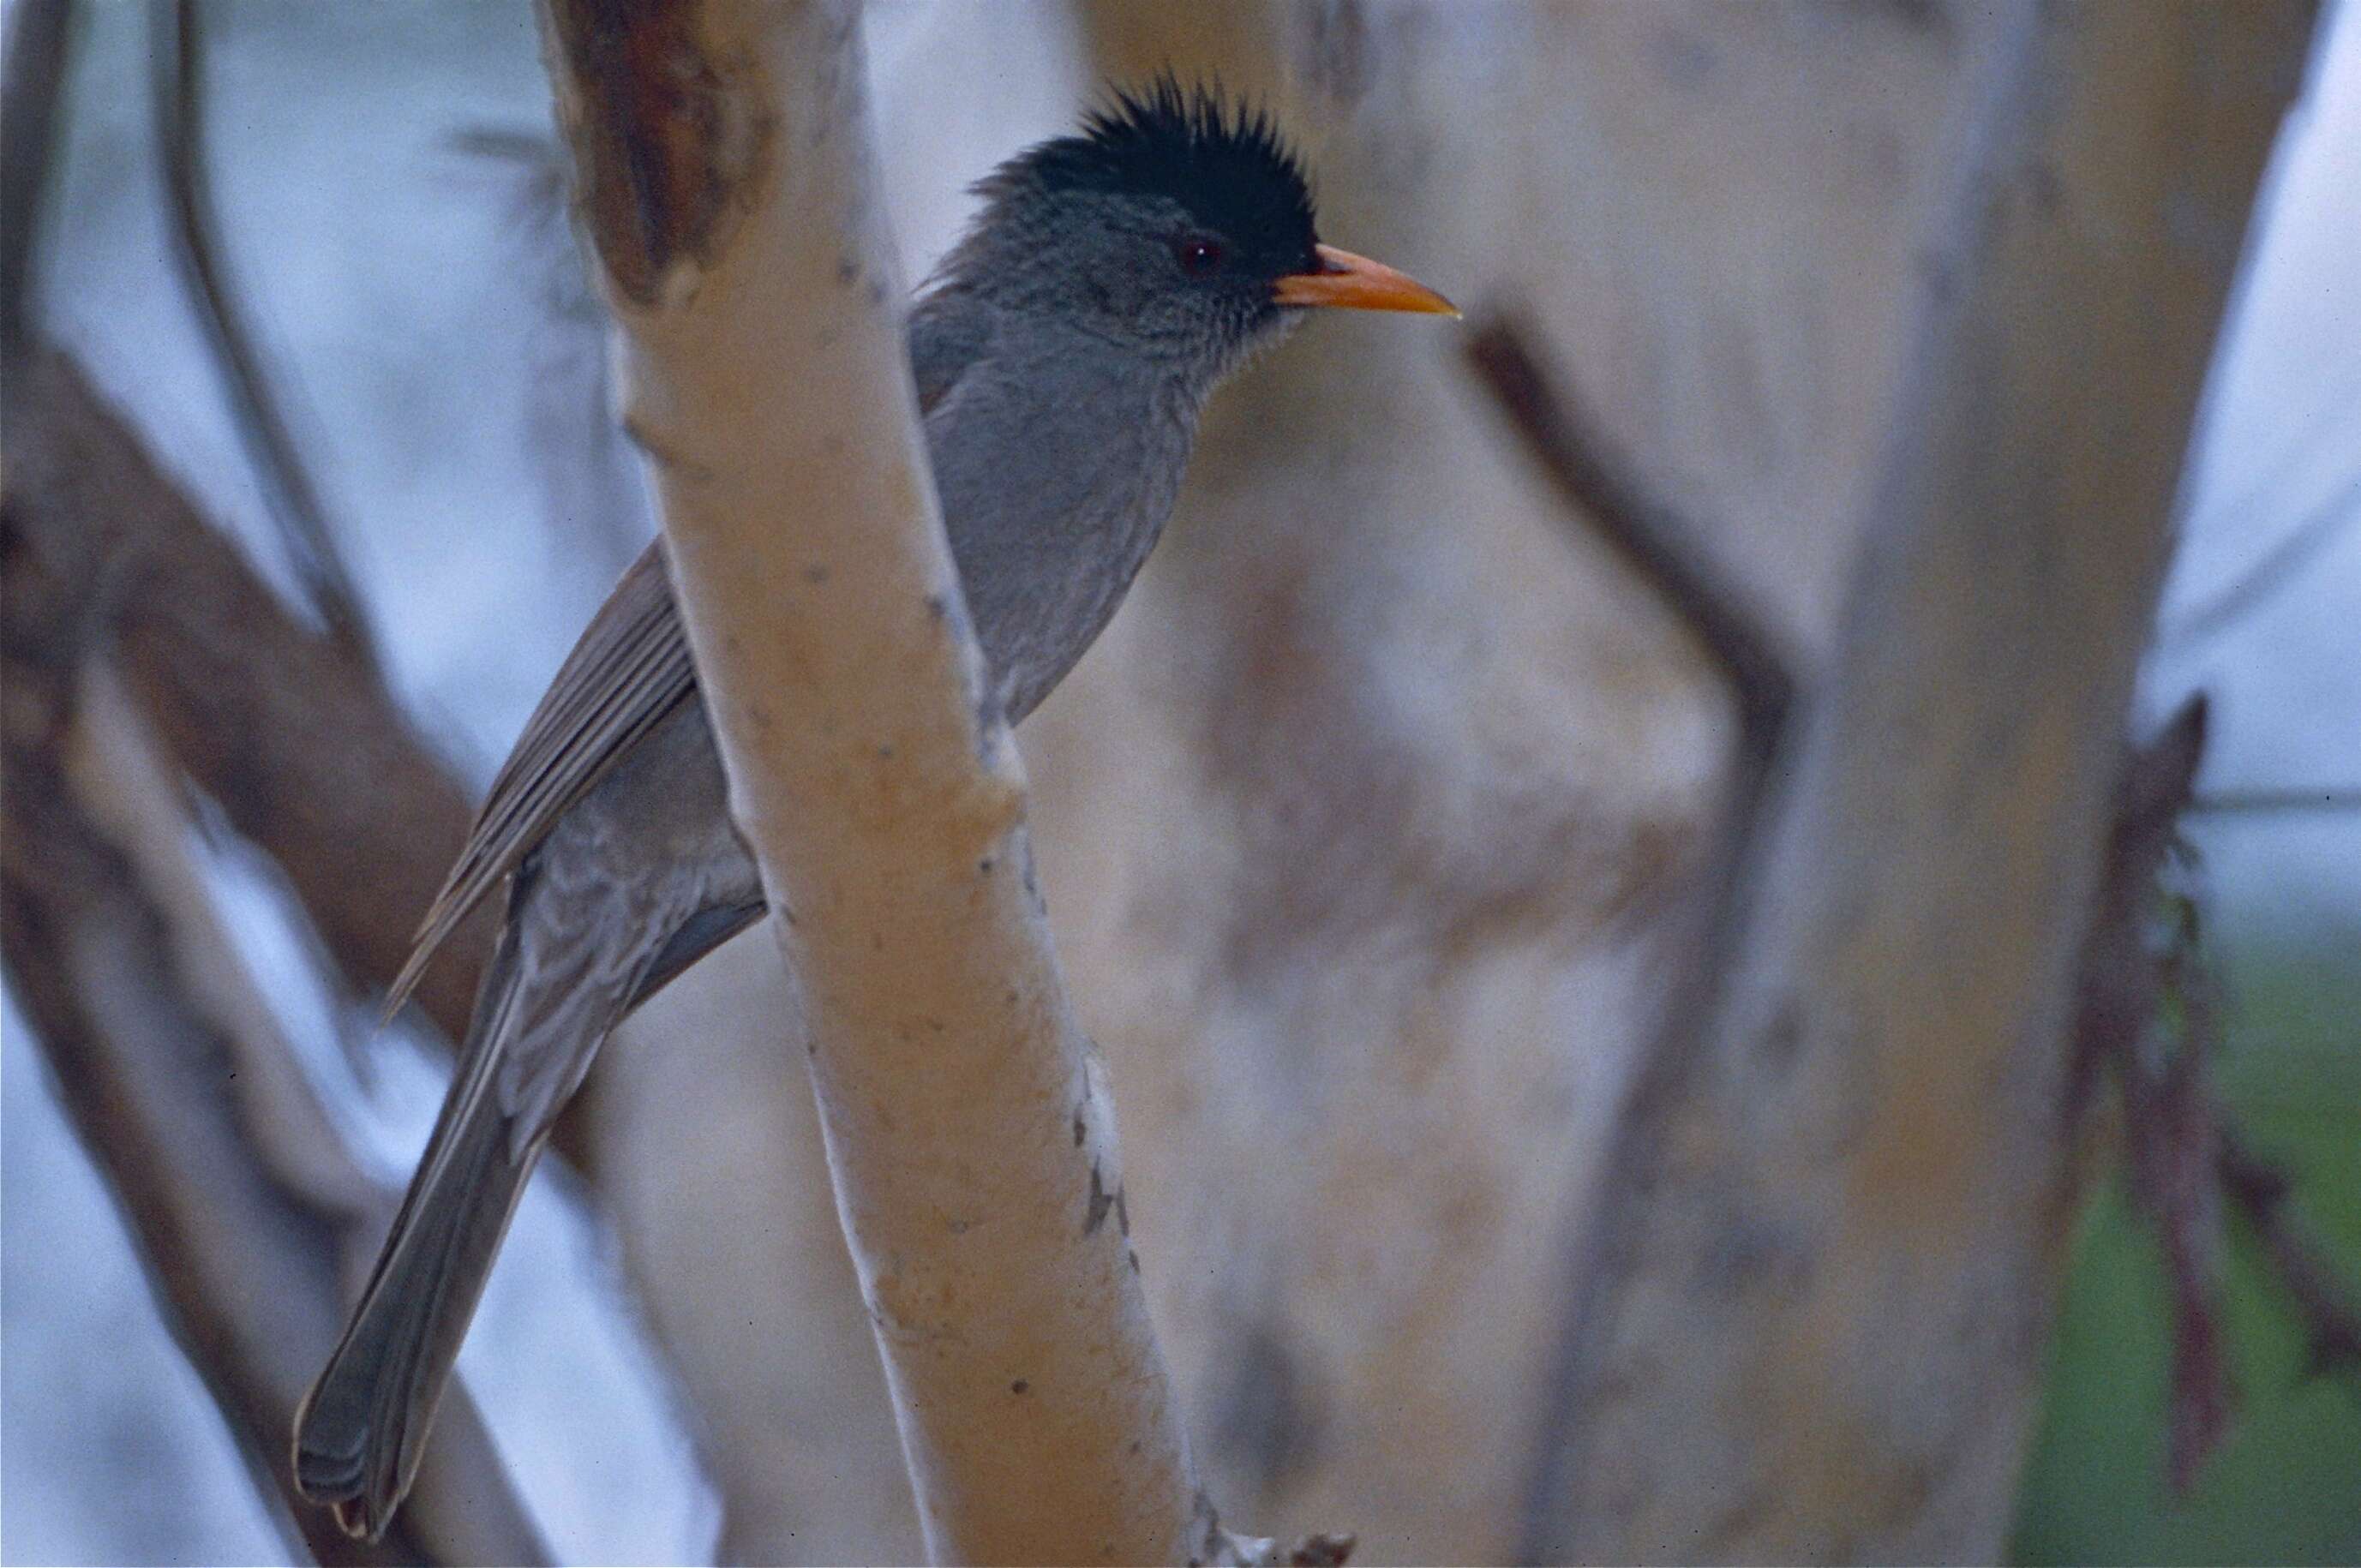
(362, 1428)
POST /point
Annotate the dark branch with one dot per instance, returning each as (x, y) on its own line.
(2119, 983)
(2326, 1305)
(38, 55)
(2170, 1117)
(2149, 1012)
(2261, 802)
(2173, 1122)
(245, 1210)
(2278, 566)
(299, 745)
(179, 83)
(1599, 486)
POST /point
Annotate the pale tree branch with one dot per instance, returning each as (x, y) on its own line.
(1813, 1293)
(2172, 1121)
(727, 180)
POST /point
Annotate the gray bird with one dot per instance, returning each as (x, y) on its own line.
(1110, 281)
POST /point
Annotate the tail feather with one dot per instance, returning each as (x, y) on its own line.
(361, 1429)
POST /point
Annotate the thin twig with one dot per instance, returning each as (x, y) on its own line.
(2327, 1305)
(2175, 1123)
(2256, 802)
(2170, 1117)
(1599, 486)
(177, 80)
(2279, 566)
(2184, 1159)
(2118, 980)
(38, 48)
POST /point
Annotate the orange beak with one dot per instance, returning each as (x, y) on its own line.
(1358, 283)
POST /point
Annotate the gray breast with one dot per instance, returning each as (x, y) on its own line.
(1058, 460)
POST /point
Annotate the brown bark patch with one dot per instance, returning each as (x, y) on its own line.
(667, 133)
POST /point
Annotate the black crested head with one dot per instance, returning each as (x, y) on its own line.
(1224, 164)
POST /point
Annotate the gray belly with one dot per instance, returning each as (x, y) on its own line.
(653, 843)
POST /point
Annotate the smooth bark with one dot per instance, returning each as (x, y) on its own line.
(968, 1128)
(1816, 1285)
(1364, 819)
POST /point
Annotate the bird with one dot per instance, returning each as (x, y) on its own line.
(1063, 350)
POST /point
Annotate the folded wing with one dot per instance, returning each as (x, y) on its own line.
(630, 670)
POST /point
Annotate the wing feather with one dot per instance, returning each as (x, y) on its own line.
(630, 669)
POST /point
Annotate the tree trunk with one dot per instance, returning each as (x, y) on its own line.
(968, 1130)
(1364, 824)
(1815, 1288)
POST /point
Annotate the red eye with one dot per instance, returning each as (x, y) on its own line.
(1200, 253)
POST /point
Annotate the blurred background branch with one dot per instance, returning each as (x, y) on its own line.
(2150, 1013)
(179, 77)
(1667, 552)
(1877, 1076)
(2297, 547)
(2326, 1304)
(253, 1220)
(37, 54)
